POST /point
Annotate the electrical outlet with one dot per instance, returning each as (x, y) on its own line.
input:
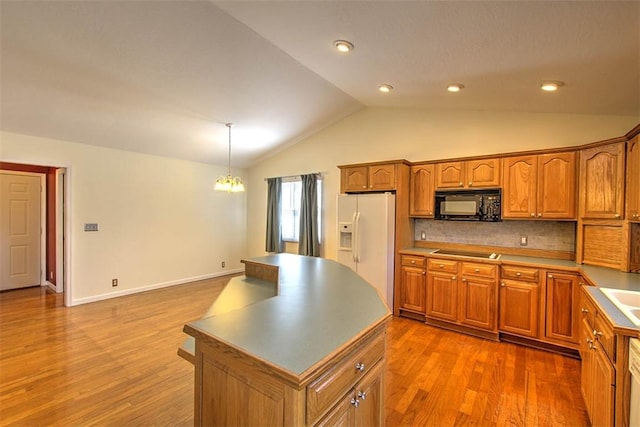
(223, 264)
(524, 240)
(423, 236)
(114, 282)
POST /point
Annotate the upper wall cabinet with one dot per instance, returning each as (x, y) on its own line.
(467, 174)
(633, 179)
(539, 186)
(373, 177)
(422, 196)
(602, 176)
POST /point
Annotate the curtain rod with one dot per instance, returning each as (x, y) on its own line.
(319, 174)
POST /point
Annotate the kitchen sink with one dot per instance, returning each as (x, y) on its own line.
(627, 301)
(485, 255)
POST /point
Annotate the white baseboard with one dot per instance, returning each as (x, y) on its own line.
(124, 292)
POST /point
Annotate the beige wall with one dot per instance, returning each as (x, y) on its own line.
(160, 221)
(376, 134)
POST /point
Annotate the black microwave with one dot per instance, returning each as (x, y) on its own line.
(469, 205)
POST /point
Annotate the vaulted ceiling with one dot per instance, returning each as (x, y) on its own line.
(162, 77)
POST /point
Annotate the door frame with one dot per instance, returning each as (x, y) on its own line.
(63, 240)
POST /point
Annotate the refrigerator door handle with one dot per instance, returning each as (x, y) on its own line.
(356, 238)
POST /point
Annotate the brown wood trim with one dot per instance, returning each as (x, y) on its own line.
(267, 272)
(541, 253)
(468, 330)
(633, 132)
(383, 162)
(529, 342)
(19, 167)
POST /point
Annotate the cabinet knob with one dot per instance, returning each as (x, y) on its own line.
(477, 270)
(355, 402)
(597, 334)
(441, 265)
(584, 310)
(364, 186)
(424, 272)
(590, 343)
(464, 280)
(362, 394)
(413, 261)
(454, 277)
(502, 285)
(518, 273)
(470, 184)
(617, 215)
(430, 213)
(460, 184)
(539, 215)
(360, 366)
(533, 214)
(550, 276)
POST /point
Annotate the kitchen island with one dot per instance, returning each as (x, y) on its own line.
(296, 341)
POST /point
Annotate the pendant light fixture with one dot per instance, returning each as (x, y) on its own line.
(227, 183)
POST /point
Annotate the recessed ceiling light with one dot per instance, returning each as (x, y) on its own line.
(385, 88)
(455, 87)
(551, 86)
(343, 45)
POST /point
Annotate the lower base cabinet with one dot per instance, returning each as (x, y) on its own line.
(598, 373)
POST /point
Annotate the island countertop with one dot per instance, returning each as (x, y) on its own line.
(320, 307)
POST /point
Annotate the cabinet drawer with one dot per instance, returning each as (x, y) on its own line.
(606, 337)
(521, 273)
(484, 270)
(436, 264)
(413, 260)
(330, 387)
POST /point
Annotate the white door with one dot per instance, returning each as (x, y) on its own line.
(19, 230)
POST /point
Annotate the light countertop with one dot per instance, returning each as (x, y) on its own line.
(322, 306)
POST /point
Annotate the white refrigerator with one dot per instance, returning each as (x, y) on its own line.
(366, 229)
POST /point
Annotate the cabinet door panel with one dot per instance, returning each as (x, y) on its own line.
(603, 389)
(586, 366)
(413, 289)
(478, 302)
(562, 307)
(519, 182)
(449, 175)
(557, 186)
(370, 410)
(483, 173)
(602, 181)
(382, 177)
(633, 179)
(422, 197)
(442, 296)
(519, 305)
(355, 178)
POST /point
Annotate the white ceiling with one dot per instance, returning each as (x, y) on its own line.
(162, 77)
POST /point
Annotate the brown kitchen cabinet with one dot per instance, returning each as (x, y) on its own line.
(539, 186)
(519, 301)
(633, 179)
(413, 296)
(598, 379)
(422, 194)
(602, 174)
(468, 174)
(462, 293)
(368, 177)
(562, 308)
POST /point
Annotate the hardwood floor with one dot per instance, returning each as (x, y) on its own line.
(114, 363)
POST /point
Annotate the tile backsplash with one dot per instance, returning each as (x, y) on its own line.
(546, 235)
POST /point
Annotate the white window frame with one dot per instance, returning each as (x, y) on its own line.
(290, 209)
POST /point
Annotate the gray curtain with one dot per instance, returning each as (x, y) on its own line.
(308, 243)
(274, 236)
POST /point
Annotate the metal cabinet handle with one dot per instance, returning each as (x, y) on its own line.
(597, 334)
(362, 395)
(355, 402)
(584, 310)
(590, 343)
(360, 366)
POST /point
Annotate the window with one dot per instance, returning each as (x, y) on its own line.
(290, 209)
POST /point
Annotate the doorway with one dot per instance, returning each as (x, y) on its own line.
(49, 261)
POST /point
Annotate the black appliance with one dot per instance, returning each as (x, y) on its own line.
(469, 205)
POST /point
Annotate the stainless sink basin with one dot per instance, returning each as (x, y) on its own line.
(485, 255)
(627, 301)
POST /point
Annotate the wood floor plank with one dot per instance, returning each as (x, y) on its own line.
(114, 363)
